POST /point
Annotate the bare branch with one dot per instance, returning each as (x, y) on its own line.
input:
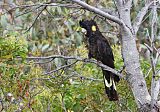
(157, 56)
(44, 4)
(35, 19)
(99, 12)
(78, 59)
(62, 67)
(109, 11)
(155, 84)
(148, 47)
(26, 12)
(148, 73)
(140, 16)
(86, 78)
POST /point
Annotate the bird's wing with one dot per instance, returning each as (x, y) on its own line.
(104, 48)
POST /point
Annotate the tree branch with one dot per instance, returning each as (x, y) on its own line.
(35, 19)
(62, 67)
(26, 12)
(77, 59)
(155, 84)
(140, 16)
(44, 4)
(99, 12)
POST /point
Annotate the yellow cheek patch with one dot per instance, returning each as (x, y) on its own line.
(93, 28)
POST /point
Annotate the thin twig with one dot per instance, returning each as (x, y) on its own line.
(85, 78)
(26, 12)
(155, 83)
(62, 67)
(44, 4)
(148, 47)
(148, 73)
(35, 19)
(140, 16)
(44, 62)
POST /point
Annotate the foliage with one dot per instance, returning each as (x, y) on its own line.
(78, 88)
(71, 88)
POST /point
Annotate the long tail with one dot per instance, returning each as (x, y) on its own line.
(110, 80)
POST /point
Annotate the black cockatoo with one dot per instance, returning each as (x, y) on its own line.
(100, 49)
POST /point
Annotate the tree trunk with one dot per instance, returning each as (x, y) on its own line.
(134, 75)
(131, 60)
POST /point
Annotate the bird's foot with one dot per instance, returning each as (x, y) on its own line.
(98, 62)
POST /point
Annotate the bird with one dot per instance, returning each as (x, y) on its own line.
(100, 49)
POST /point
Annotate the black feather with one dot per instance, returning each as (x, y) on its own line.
(100, 49)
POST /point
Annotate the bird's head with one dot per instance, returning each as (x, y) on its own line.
(89, 25)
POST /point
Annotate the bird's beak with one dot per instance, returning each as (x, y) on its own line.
(84, 30)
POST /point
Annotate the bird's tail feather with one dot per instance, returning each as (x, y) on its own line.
(110, 86)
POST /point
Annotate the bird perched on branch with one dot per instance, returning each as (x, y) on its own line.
(100, 49)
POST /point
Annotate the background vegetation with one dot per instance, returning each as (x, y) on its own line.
(32, 30)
